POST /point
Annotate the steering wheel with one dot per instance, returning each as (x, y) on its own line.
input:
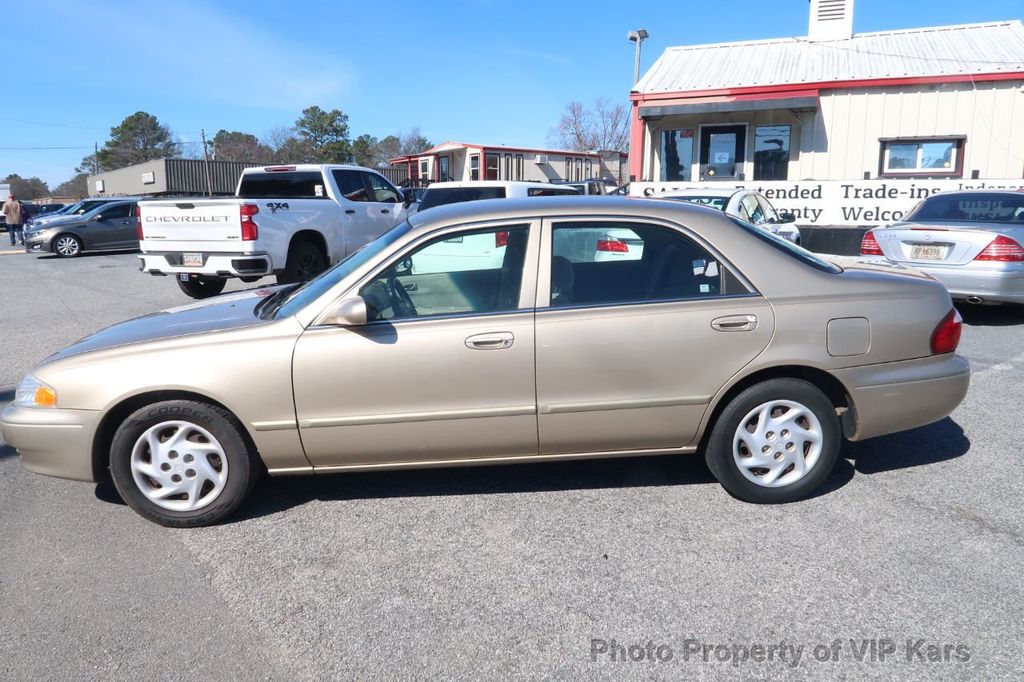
(400, 300)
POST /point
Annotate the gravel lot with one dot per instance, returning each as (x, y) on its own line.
(513, 571)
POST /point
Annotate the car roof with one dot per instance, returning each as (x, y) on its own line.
(487, 183)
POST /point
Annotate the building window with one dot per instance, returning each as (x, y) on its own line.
(508, 166)
(568, 168)
(771, 152)
(474, 167)
(922, 157)
(590, 169)
(491, 163)
(579, 169)
(676, 154)
(443, 169)
(424, 169)
(519, 166)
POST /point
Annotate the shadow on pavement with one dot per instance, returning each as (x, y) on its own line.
(42, 255)
(944, 440)
(991, 315)
(7, 451)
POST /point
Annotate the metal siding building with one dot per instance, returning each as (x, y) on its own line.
(938, 104)
(168, 177)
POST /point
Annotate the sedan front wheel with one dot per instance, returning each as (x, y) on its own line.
(67, 246)
(775, 442)
(182, 463)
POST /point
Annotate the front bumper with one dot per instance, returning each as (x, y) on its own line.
(896, 396)
(214, 264)
(42, 243)
(53, 442)
(996, 284)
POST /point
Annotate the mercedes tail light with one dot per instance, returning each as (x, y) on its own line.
(250, 231)
(946, 336)
(869, 245)
(612, 245)
(1002, 249)
(138, 222)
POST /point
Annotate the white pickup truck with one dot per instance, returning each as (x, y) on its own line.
(289, 221)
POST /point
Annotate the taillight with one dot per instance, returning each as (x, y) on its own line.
(250, 231)
(946, 336)
(1002, 249)
(500, 239)
(612, 245)
(869, 245)
(138, 222)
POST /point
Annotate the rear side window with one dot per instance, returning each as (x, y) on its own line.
(979, 207)
(551, 191)
(456, 195)
(608, 263)
(788, 247)
(117, 212)
(294, 185)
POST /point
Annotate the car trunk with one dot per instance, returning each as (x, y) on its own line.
(937, 243)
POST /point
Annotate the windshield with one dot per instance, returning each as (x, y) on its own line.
(789, 248)
(315, 288)
(976, 207)
(703, 200)
(456, 195)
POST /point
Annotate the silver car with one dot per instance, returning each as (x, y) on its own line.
(970, 241)
(744, 204)
(487, 333)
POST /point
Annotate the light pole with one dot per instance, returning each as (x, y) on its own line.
(638, 36)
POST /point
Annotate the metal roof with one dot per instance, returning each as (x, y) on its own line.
(922, 52)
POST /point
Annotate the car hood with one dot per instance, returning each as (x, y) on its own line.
(47, 220)
(230, 311)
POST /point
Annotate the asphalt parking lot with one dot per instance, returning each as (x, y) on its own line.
(521, 571)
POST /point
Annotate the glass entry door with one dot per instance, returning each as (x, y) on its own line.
(722, 152)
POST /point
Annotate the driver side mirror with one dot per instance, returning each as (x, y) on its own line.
(96, 218)
(349, 312)
(787, 217)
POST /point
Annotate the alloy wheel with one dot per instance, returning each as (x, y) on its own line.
(67, 245)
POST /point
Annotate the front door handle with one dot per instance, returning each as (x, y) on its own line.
(493, 341)
(350, 211)
(735, 323)
(384, 210)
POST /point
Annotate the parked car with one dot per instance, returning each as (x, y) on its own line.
(40, 210)
(722, 339)
(109, 226)
(73, 211)
(744, 204)
(583, 186)
(288, 221)
(970, 241)
(444, 193)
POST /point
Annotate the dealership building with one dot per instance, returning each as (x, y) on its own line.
(841, 128)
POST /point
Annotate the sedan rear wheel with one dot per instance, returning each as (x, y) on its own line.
(182, 463)
(67, 246)
(775, 442)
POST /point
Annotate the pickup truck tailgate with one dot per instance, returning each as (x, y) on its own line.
(203, 220)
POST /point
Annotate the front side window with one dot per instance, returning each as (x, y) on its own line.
(608, 263)
(117, 212)
(925, 157)
(351, 185)
(474, 271)
(381, 190)
(771, 152)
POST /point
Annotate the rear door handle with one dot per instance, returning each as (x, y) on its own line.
(735, 323)
(350, 211)
(384, 210)
(492, 341)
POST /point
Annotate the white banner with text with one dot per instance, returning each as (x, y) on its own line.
(838, 202)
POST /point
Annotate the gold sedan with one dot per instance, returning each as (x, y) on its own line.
(498, 332)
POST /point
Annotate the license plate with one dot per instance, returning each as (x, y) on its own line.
(192, 259)
(927, 252)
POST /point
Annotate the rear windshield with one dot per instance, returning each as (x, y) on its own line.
(456, 195)
(702, 200)
(299, 184)
(971, 208)
(789, 248)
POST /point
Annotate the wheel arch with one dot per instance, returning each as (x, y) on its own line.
(53, 242)
(115, 416)
(310, 236)
(833, 388)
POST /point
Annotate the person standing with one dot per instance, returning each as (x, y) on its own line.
(15, 214)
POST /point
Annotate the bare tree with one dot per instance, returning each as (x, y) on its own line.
(604, 126)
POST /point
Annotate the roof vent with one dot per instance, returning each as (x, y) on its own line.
(831, 20)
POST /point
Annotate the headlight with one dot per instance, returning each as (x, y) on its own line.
(34, 393)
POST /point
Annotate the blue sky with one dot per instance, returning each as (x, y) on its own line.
(493, 71)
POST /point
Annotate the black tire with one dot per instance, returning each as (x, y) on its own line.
(202, 286)
(719, 449)
(251, 279)
(67, 246)
(242, 466)
(305, 261)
